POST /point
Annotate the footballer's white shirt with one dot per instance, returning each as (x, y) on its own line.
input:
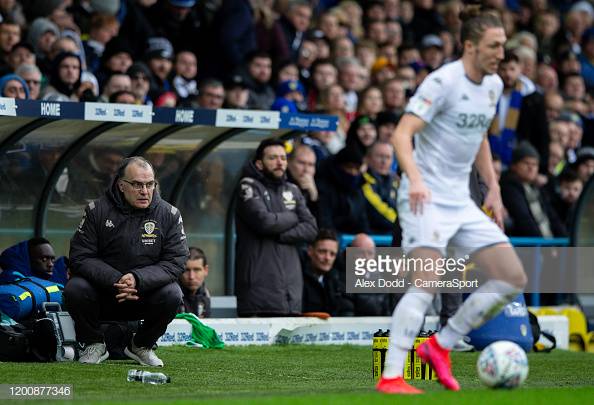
(457, 113)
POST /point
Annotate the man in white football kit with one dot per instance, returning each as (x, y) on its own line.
(450, 114)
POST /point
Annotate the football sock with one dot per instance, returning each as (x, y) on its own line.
(407, 320)
(482, 305)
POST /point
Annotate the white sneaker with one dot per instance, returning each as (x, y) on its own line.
(144, 355)
(462, 346)
(94, 353)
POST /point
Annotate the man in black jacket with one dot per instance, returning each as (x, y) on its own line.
(126, 257)
(529, 209)
(272, 220)
(322, 290)
(196, 298)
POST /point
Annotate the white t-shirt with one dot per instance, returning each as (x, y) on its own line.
(457, 113)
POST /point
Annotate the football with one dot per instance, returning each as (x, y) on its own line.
(502, 364)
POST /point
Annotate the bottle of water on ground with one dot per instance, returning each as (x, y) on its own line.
(148, 377)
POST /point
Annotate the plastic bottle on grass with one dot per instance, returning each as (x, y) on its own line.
(148, 377)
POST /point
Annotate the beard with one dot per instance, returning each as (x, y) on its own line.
(272, 175)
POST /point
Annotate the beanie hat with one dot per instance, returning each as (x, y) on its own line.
(524, 150)
(6, 78)
(584, 154)
(114, 46)
(110, 7)
(39, 27)
(289, 86)
(159, 48)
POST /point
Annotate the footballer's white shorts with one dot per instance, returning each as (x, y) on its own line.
(465, 228)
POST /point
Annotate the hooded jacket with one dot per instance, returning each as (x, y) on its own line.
(113, 239)
(272, 219)
(16, 263)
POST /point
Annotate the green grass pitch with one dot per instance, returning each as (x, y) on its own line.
(297, 374)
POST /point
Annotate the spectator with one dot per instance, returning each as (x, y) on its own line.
(211, 94)
(370, 102)
(570, 188)
(116, 58)
(394, 93)
(103, 29)
(318, 141)
(575, 127)
(574, 87)
(587, 57)
(322, 290)
(386, 123)
(196, 297)
(115, 83)
(32, 76)
(166, 99)
(272, 220)
(227, 36)
(329, 24)
(584, 163)
(176, 20)
(65, 78)
(33, 257)
(184, 81)
(140, 82)
(362, 133)
(295, 22)
(343, 48)
(236, 93)
(380, 188)
(94, 173)
(13, 86)
(159, 56)
(259, 73)
(557, 161)
(365, 304)
(530, 211)
(546, 79)
(122, 97)
(341, 204)
(323, 75)
(10, 35)
(290, 97)
(333, 102)
(42, 34)
(432, 51)
(301, 171)
(521, 114)
(121, 273)
(349, 79)
(21, 53)
(269, 34)
(553, 106)
(286, 70)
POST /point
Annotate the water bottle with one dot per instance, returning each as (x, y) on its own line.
(148, 377)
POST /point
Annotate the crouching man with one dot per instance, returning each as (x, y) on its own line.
(126, 257)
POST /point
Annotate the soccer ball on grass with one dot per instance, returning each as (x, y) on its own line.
(502, 364)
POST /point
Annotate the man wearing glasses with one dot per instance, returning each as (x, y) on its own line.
(126, 256)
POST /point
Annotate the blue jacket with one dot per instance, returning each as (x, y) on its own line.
(15, 264)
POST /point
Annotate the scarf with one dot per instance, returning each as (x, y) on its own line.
(503, 140)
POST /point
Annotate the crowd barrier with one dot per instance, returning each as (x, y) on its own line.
(341, 330)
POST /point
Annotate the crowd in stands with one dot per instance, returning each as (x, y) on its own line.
(360, 61)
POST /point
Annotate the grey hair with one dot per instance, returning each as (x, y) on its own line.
(27, 68)
(137, 160)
